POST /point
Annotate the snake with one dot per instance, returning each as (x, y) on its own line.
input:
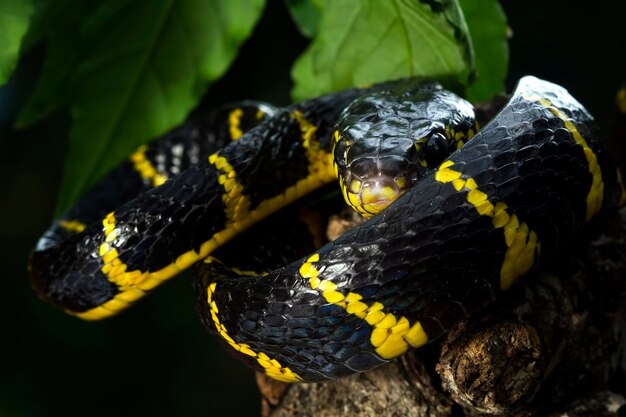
(455, 216)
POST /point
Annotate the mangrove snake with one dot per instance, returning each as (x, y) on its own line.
(482, 212)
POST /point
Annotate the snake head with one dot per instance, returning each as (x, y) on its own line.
(374, 173)
(387, 140)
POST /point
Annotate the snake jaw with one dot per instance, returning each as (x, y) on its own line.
(371, 196)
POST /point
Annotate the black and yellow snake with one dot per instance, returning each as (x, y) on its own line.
(475, 214)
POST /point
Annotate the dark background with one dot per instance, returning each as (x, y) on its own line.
(156, 359)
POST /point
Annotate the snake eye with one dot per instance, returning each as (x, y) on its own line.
(340, 153)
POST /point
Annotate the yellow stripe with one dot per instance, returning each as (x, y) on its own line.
(234, 121)
(134, 284)
(272, 367)
(522, 243)
(131, 284)
(596, 191)
(320, 161)
(237, 205)
(72, 225)
(145, 167)
(336, 136)
(391, 336)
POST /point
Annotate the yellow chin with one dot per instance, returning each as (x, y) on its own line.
(375, 208)
(369, 200)
(375, 199)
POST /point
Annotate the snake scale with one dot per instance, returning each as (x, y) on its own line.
(480, 212)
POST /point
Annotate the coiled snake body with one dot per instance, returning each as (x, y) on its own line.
(471, 225)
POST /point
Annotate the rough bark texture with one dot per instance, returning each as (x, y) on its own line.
(555, 345)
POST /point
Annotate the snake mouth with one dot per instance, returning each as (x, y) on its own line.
(371, 196)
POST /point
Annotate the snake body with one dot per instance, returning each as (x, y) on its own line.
(490, 212)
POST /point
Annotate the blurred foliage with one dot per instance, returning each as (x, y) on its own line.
(364, 41)
(488, 28)
(131, 70)
(306, 15)
(14, 18)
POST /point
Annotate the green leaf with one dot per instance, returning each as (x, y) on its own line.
(48, 15)
(52, 90)
(305, 14)
(14, 19)
(488, 30)
(364, 41)
(61, 31)
(149, 64)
